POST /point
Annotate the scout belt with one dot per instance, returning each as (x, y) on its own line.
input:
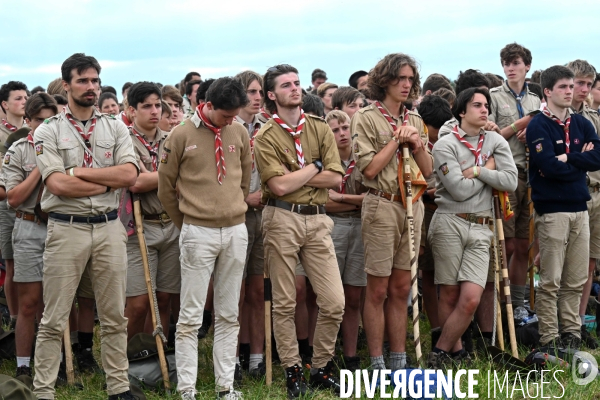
(95, 219)
(26, 216)
(297, 208)
(473, 219)
(388, 196)
(157, 217)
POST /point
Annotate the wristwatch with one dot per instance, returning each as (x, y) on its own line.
(319, 165)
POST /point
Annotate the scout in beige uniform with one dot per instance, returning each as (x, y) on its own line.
(205, 197)
(298, 161)
(83, 157)
(252, 312)
(381, 129)
(24, 186)
(585, 74)
(161, 234)
(344, 209)
(13, 96)
(469, 163)
(511, 103)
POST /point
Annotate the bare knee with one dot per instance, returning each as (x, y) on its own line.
(469, 303)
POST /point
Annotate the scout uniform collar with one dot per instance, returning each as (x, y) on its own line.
(255, 120)
(518, 96)
(95, 114)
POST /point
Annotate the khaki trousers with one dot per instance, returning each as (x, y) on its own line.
(564, 240)
(287, 235)
(68, 249)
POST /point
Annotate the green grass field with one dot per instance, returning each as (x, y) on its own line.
(258, 390)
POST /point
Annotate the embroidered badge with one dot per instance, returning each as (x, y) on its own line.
(65, 139)
(559, 141)
(538, 148)
(232, 148)
(444, 168)
(7, 159)
(576, 141)
(163, 158)
(107, 154)
(39, 148)
(189, 148)
(286, 150)
(356, 147)
(505, 106)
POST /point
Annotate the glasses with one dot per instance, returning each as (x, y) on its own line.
(253, 92)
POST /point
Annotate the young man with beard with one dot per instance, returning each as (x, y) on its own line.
(205, 197)
(382, 128)
(252, 312)
(510, 106)
(298, 161)
(585, 74)
(563, 147)
(13, 96)
(469, 164)
(24, 187)
(344, 209)
(84, 157)
(162, 236)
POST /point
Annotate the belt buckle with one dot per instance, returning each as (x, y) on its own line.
(471, 218)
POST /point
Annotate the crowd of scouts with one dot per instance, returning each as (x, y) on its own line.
(249, 176)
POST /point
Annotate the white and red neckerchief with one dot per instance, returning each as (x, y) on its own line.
(252, 137)
(30, 139)
(152, 149)
(87, 157)
(476, 152)
(430, 145)
(9, 126)
(295, 134)
(346, 176)
(265, 114)
(126, 120)
(219, 154)
(392, 122)
(564, 125)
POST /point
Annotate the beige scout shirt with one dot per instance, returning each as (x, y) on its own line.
(374, 132)
(274, 146)
(58, 149)
(149, 201)
(5, 133)
(19, 161)
(592, 116)
(504, 112)
(255, 124)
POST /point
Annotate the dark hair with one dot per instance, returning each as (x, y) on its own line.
(38, 89)
(140, 91)
(202, 89)
(105, 96)
(189, 88)
(554, 74)
(60, 99)
(536, 77)
(312, 104)
(344, 96)
(80, 62)
(465, 97)
(493, 79)
(469, 79)
(536, 88)
(596, 80)
(227, 94)
(512, 51)
(387, 70)
(353, 80)
(434, 110)
(318, 73)
(435, 82)
(269, 82)
(10, 87)
(108, 89)
(190, 76)
(38, 102)
(126, 86)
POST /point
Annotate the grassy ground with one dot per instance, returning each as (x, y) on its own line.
(258, 390)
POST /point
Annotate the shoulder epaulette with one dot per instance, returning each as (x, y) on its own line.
(314, 117)
(532, 93)
(496, 89)
(415, 114)
(19, 141)
(54, 117)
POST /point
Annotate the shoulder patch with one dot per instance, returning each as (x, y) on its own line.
(6, 159)
(39, 147)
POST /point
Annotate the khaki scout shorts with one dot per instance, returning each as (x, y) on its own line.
(29, 241)
(386, 236)
(7, 224)
(349, 250)
(255, 255)
(518, 225)
(594, 213)
(461, 250)
(426, 259)
(162, 242)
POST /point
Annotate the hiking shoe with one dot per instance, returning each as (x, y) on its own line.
(86, 363)
(123, 396)
(325, 378)
(258, 372)
(570, 342)
(435, 336)
(188, 395)
(352, 363)
(237, 375)
(230, 395)
(23, 370)
(295, 382)
(441, 360)
(587, 339)
(463, 359)
(481, 345)
(61, 378)
(306, 360)
(206, 323)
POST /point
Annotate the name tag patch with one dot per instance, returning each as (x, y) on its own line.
(192, 147)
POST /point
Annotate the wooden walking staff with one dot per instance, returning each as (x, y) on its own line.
(68, 355)
(268, 350)
(160, 337)
(506, 281)
(530, 253)
(412, 251)
(499, 330)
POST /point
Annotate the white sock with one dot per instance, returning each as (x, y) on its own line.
(255, 359)
(237, 360)
(23, 361)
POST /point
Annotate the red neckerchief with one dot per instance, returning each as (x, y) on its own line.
(430, 145)
(346, 176)
(30, 139)
(87, 157)
(295, 134)
(476, 153)
(564, 125)
(219, 155)
(152, 149)
(9, 126)
(125, 120)
(265, 114)
(392, 122)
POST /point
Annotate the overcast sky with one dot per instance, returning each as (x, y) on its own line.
(162, 40)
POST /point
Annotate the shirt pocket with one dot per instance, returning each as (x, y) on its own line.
(27, 168)
(383, 138)
(104, 151)
(70, 153)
